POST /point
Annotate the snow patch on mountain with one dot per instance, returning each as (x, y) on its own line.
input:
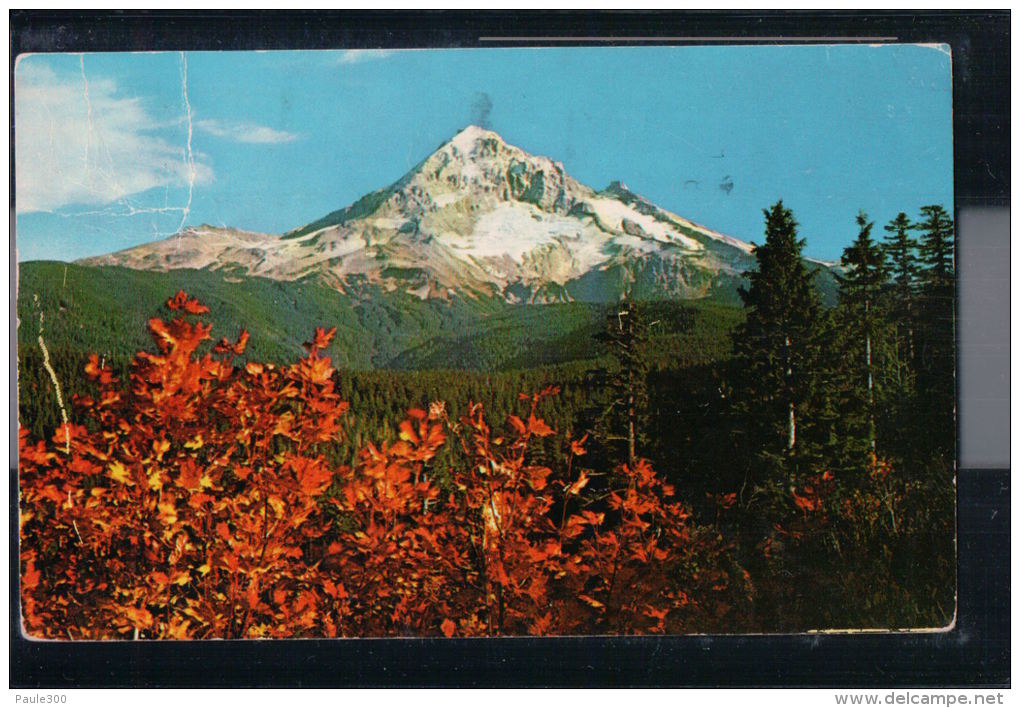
(623, 218)
(512, 230)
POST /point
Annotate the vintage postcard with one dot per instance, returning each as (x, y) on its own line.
(484, 342)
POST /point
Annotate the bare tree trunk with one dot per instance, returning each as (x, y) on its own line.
(791, 426)
(871, 382)
(792, 430)
(631, 453)
(871, 394)
(631, 403)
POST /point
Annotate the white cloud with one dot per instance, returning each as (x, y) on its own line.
(245, 132)
(79, 141)
(356, 56)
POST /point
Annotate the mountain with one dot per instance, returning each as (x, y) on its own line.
(479, 218)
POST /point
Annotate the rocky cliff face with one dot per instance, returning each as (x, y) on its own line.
(478, 217)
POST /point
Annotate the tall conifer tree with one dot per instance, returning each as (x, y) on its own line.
(626, 380)
(775, 347)
(901, 249)
(862, 313)
(936, 346)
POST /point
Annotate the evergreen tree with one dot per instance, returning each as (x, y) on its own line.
(936, 247)
(935, 353)
(901, 250)
(626, 379)
(864, 324)
(775, 347)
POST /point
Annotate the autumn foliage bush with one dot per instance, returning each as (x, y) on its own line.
(198, 500)
(868, 548)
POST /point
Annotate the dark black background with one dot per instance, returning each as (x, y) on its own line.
(974, 653)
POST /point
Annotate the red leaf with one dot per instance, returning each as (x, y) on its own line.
(806, 503)
(227, 347)
(181, 301)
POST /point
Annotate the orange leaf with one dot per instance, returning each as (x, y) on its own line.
(518, 424)
(313, 478)
(179, 545)
(806, 503)
(190, 476)
(181, 301)
(407, 432)
(226, 346)
(321, 339)
(541, 625)
(30, 579)
(316, 371)
(577, 446)
(167, 513)
(119, 473)
(139, 617)
(155, 478)
(448, 627)
(537, 477)
(538, 426)
(581, 483)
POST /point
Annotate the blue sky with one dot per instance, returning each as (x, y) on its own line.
(113, 150)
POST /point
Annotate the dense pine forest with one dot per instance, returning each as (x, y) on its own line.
(468, 468)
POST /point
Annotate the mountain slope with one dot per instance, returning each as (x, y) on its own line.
(477, 218)
(105, 310)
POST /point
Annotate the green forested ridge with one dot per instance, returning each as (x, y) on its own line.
(105, 310)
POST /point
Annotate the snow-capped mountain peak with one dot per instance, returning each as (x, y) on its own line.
(466, 139)
(479, 216)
